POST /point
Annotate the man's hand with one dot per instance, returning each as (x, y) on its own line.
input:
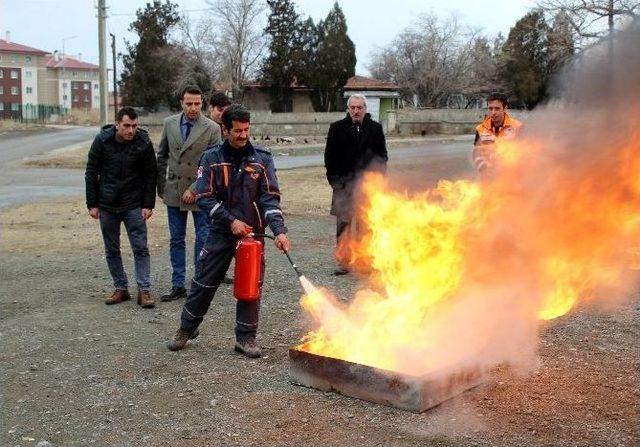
(146, 213)
(240, 229)
(282, 242)
(94, 212)
(188, 197)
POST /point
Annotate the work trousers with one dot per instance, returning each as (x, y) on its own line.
(213, 263)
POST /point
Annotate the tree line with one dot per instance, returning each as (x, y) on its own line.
(230, 47)
(435, 62)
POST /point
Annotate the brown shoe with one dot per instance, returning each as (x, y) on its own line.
(118, 296)
(179, 341)
(145, 299)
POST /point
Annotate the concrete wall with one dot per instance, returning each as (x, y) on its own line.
(438, 121)
(404, 122)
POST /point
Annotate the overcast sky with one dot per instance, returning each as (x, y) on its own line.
(45, 23)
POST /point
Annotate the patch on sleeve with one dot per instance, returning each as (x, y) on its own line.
(200, 171)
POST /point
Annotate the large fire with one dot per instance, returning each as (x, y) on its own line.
(466, 271)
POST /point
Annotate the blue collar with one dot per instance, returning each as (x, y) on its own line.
(183, 120)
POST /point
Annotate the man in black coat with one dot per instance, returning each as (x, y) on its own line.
(121, 188)
(354, 144)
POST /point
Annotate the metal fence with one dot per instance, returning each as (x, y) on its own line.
(29, 113)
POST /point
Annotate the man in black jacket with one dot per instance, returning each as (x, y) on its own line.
(354, 144)
(121, 188)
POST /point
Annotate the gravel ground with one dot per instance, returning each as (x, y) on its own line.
(76, 372)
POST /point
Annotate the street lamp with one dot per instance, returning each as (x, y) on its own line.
(64, 86)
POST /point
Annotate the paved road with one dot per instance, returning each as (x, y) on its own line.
(19, 184)
(18, 145)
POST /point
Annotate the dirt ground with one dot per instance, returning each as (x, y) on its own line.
(76, 372)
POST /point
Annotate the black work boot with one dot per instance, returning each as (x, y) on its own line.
(179, 341)
(248, 347)
(176, 293)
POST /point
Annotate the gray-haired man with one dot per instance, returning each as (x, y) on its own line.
(354, 144)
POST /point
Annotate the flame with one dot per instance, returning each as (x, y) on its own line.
(467, 270)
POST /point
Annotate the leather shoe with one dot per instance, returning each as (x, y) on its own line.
(176, 293)
(118, 296)
(179, 341)
(145, 299)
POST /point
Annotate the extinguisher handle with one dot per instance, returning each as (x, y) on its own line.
(261, 235)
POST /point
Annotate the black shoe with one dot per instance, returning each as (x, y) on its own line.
(176, 293)
(227, 280)
(179, 341)
(249, 348)
(339, 271)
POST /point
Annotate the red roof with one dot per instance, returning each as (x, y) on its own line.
(17, 48)
(69, 63)
(362, 83)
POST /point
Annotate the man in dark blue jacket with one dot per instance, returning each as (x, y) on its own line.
(121, 188)
(237, 188)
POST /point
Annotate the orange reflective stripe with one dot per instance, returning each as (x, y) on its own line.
(225, 172)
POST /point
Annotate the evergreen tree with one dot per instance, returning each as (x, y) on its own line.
(525, 60)
(561, 43)
(150, 68)
(308, 54)
(280, 67)
(335, 62)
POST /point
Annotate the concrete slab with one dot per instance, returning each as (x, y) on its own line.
(390, 388)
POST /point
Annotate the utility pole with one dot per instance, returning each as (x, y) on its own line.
(115, 82)
(102, 48)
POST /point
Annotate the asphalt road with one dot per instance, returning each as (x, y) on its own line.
(19, 184)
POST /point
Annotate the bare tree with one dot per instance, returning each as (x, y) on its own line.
(237, 39)
(227, 41)
(586, 16)
(428, 60)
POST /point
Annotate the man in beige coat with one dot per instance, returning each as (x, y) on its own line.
(185, 137)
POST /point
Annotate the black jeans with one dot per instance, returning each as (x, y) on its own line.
(137, 231)
(211, 267)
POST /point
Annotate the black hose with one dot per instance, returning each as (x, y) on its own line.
(286, 253)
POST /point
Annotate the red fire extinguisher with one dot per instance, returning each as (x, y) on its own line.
(248, 270)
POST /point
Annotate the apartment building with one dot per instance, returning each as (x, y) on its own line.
(31, 79)
(20, 69)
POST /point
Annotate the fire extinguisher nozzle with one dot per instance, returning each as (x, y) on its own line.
(293, 264)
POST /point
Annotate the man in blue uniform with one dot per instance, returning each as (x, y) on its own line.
(237, 189)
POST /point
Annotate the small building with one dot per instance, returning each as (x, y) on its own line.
(382, 96)
(255, 96)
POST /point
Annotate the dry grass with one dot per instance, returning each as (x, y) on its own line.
(66, 225)
(75, 156)
(82, 117)
(12, 126)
